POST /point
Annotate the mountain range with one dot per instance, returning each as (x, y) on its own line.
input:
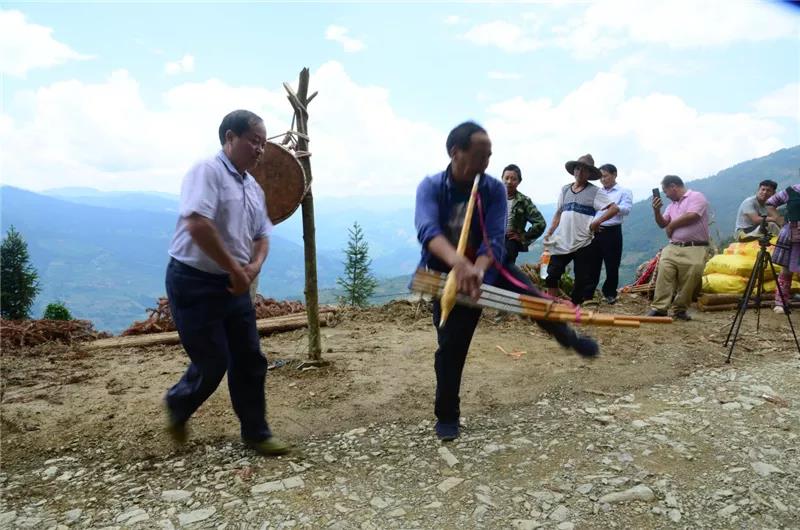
(104, 253)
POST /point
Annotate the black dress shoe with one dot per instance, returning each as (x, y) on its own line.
(656, 313)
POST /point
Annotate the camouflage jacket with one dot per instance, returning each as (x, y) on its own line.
(523, 212)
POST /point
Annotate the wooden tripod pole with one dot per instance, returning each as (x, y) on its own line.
(448, 299)
(300, 102)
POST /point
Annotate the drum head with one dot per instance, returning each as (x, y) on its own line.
(283, 180)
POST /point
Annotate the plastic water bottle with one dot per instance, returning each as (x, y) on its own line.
(544, 261)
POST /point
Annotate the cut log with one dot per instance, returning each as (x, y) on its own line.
(734, 307)
(265, 326)
(709, 299)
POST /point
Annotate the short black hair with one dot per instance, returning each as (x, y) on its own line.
(515, 168)
(610, 168)
(769, 183)
(461, 136)
(239, 121)
(672, 180)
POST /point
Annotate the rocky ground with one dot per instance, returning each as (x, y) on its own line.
(662, 445)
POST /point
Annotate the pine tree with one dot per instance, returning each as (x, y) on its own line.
(19, 281)
(357, 282)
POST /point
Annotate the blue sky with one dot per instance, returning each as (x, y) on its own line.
(126, 96)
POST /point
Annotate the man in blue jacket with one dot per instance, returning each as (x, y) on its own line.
(440, 207)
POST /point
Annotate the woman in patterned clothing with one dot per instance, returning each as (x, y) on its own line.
(787, 249)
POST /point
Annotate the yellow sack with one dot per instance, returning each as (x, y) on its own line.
(770, 287)
(734, 265)
(742, 249)
(750, 248)
(718, 283)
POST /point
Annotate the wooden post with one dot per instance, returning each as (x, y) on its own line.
(300, 102)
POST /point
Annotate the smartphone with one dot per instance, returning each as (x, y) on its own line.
(656, 193)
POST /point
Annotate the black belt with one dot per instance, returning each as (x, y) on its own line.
(689, 243)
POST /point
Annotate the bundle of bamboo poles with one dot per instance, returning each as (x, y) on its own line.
(432, 283)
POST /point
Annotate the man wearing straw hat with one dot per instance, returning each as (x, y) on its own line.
(441, 204)
(220, 243)
(577, 222)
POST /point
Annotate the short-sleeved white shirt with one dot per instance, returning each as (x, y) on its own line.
(234, 203)
(577, 212)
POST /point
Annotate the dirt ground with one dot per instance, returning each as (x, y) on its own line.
(59, 400)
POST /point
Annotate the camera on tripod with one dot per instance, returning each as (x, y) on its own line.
(763, 241)
(763, 263)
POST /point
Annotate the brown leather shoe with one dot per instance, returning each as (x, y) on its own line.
(269, 447)
(176, 429)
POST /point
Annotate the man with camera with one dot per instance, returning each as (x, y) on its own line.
(752, 209)
(680, 269)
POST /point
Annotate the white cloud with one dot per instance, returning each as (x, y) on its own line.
(609, 24)
(339, 34)
(504, 35)
(606, 25)
(504, 76)
(645, 137)
(643, 63)
(361, 145)
(25, 46)
(104, 135)
(182, 66)
(783, 103)
(452, 20)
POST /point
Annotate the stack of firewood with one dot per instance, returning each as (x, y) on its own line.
(18, 333)
(159, 319)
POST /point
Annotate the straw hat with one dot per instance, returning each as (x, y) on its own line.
(585, 161)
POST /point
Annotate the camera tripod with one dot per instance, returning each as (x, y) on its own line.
(756, 282)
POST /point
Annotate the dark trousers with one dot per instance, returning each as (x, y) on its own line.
(513, 248)
(454, 339)
(608, 252)
(584, 261)
(218, 332)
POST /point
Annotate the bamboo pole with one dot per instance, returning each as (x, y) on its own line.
(300, 102)
(534, 307)
(448, 299)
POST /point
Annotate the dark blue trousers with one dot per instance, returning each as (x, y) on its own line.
(218, 332)
(608, 243)
(454, 339)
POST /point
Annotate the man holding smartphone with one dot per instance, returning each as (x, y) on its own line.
(680, 269)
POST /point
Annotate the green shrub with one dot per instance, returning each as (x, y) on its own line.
(19, 281)
(57, 311)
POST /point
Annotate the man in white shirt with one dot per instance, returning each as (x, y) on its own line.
(221, 241)
(608, 240)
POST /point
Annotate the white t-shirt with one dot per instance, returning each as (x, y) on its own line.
(577, 213)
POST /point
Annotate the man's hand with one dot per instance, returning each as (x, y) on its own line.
(657, 203)
(669, 229)
(240, 281)
(468, 278)
(512, 235)
(252, 271)
(596, 227)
